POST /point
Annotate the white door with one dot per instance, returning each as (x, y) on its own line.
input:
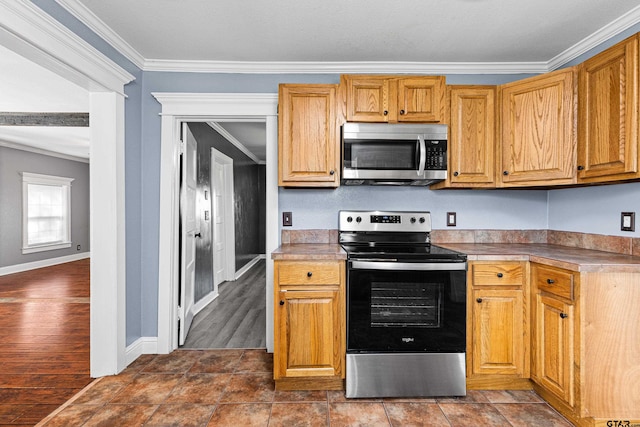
(188, 232)
(218, 208)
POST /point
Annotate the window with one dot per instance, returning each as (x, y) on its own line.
(46, 212)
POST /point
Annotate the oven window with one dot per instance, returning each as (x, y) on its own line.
(398, 304)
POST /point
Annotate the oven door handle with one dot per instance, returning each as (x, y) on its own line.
(409, 266)
(423, 155)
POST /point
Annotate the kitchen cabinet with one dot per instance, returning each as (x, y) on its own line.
(382, 98)
(538, 130)
(308, 136)
(472, 136)
(554, 333)
(608, 134)
(310, 331)
(498, 338)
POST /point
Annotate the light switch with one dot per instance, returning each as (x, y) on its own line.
(287, 219)
(628, 221)
(451, 219)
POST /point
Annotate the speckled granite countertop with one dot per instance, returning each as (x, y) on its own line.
(570, 258)
(309, 251)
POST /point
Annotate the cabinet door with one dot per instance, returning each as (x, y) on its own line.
(608, 138)
(421, 99)
(367, 98)
(498, 330)
(538, 134)
(554, 361)
(310, 342)
(308, 137)
(472, 139)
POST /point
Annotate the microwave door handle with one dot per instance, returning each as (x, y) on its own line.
(423, 155)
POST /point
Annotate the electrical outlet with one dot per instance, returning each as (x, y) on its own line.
(78, 247)
(628, 221)
(451, 219)
(287, 219)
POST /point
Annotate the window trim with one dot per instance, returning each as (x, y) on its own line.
(36, 178)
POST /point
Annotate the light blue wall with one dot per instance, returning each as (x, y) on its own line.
(502, 209)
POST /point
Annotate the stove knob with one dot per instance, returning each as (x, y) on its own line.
(358, 220)
(349, 219)
(422, 220)
(413, 219)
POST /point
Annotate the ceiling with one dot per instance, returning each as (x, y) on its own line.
(336, 36)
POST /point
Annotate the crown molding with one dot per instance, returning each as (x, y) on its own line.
(42, 151)
(28, 30)
(88, 18)
(605, 33)
(234, 141)
(98, 26)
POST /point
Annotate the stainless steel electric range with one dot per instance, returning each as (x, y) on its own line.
(406, 307)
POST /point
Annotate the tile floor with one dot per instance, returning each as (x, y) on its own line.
(235, 388)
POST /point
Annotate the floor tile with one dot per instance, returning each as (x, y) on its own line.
(217, 361)
(258, 387)
(102, 391)
(148, 388)
(405, 414)
(199, 388)
(73, 415)
(369, 414)
(512, 396)
(300, 396)
(181, 415)
(473, 396)
(180, 361)
(299, 414)
(255, 361)
(121, 416)
(251, 414)
(339, 396)
(531, 415)
(473, 415)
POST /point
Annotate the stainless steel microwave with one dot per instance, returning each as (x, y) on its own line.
(393, 154)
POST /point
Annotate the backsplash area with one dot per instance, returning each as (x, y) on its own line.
(600, 242)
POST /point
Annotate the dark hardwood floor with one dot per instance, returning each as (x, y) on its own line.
(44, 340)
(237, 318)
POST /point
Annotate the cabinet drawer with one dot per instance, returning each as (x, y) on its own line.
(308, 273)
(554, 280)
(503, 273)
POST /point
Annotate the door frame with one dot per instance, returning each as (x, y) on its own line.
(205, 107)
(32, 33)
(229, 217)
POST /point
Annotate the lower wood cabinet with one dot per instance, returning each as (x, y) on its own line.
(498, 336)
(310, 332)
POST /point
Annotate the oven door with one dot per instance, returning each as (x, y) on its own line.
(406, 307)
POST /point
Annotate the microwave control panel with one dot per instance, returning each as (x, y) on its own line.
(436, 155)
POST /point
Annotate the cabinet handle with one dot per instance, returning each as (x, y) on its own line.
(563, 315)
(281, 302)
(580, 168)
(197, 235)
(479, 299)
(456, 173)
(505, 173)
(551, 281)
(331, 172)
(401, 112)
(385, 112)
(499, 275)
(309, 274)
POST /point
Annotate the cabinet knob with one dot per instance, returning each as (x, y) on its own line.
(385, 112)
(309, 274)
(551, 281)
(281, 302)
(197, 235)
(331, 172)
(505, 173)
(580, 168)
(563, 315)
(499, 274)
(479, 299)
(401, 112)
(456, 173)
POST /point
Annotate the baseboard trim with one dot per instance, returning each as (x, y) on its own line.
(204, 301)
(143, 345)
(248, 266)
(42, 263)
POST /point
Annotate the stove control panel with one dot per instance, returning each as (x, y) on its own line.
(384, 221)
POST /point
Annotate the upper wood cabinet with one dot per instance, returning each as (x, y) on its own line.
(471, 149)
(371, 98)
(308, 136)
(608, 133)
(538, 133)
